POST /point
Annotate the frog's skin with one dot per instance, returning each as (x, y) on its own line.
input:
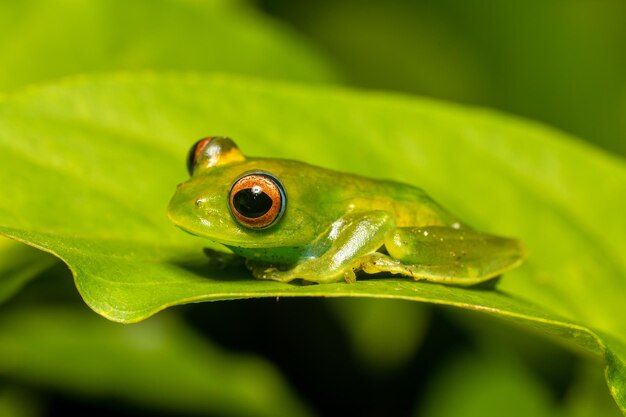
(331, 224)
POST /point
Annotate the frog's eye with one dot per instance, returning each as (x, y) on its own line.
(212, 151)
(194, 153)
(257, 200)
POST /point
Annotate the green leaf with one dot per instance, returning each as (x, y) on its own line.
(90, 166)
(159, 364)
(18, 265)
(45, 39)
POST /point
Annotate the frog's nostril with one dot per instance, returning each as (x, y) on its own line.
(200, 202)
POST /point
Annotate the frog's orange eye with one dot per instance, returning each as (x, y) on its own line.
(194, 153)
(257, 200)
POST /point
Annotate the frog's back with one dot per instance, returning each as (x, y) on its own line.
(411, 206)
(338, 193)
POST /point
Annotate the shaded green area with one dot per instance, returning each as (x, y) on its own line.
(16, 402)
(561, 62)
(499, 383)
(383, 334)
(588, 396)
(45, 39)
(478, 385)
(160, 364)
(129, 262)
(19, 264)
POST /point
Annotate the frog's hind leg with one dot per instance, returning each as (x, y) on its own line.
(445, 255)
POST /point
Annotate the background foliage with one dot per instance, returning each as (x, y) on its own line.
(86, 162)
(560, 62)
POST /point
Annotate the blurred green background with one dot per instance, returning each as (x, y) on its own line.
(560, 62)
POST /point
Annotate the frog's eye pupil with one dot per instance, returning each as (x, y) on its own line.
(257, 200)
(252, 202)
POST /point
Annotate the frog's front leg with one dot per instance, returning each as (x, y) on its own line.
(332, 256)
(445, 255)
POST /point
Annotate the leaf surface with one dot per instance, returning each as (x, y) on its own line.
(100, 159)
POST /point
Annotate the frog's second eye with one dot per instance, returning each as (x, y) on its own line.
(257, 200)
(212, 151)
(194, 153)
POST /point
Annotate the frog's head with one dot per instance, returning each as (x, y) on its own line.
(237, 201)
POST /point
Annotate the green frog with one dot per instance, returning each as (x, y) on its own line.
(291, 220)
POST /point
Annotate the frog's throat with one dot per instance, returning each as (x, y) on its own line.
(286, 255)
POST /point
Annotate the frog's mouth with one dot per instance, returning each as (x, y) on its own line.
(189, 231)
(284, 255)
(185, 217)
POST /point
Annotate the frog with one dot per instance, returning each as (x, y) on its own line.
(288, 220)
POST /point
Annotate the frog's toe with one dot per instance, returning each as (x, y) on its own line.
(265, 272)
(271, 273)
(349, 276)
(279, 276)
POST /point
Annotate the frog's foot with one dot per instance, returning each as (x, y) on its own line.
(379, 262)
(262, 270)
(449, 255)
(349, 276)
(265, 271)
